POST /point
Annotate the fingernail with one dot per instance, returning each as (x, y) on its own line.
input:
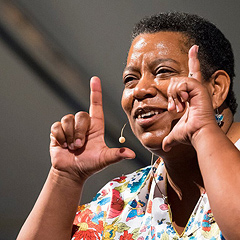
(171, 104)
(177, 108)
(78, 143)
(167, 148)
(196, 49)
(122, 150)
(71, 146)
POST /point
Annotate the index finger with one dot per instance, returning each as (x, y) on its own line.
(194, 64)
(96, 109)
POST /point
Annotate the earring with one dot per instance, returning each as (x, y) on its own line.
(218, 117)
(122, 138)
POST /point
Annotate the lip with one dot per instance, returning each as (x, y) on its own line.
(147, 122)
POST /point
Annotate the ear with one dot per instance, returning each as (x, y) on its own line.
(219, 87)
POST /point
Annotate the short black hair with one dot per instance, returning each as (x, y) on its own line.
(215, 51)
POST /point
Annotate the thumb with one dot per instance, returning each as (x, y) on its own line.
(117, 154)
(168, 142)
(54, 142)
(194, 64)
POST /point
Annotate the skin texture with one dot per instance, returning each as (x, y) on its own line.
(150, 69)
(156, 78)
(180, 128)
(77, 151)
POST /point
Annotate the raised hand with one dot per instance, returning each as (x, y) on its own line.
(77, 143)
(190, 96)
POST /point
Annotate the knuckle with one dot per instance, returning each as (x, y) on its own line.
(82, 114)
(55, 127)
(183, 85)
(67, 118)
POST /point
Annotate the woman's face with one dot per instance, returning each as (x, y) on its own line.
(152, 60)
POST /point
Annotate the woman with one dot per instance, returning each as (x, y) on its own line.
(178, 76)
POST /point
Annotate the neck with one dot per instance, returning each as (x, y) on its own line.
(184, 186)
(227, 118)
(184, 176)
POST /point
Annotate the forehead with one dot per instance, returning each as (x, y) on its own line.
(164, 44)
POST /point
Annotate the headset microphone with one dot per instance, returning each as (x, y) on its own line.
(122, 139)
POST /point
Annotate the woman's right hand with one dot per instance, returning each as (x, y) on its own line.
(77, 147)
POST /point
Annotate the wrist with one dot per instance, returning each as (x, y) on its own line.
(205, 132)
(66, 179)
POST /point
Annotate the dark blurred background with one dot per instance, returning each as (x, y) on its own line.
(49, 49)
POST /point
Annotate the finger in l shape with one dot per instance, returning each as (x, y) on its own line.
(193, 63)
(96, 110)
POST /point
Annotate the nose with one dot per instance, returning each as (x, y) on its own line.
(145, 88)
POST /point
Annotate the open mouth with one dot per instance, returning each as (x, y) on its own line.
(144, 113)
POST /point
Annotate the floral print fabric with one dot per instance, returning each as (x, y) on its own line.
(131, 208)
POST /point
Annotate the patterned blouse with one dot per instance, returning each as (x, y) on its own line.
(131, 207)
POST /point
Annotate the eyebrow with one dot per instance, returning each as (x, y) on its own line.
(130, 68)
(162, 60)
(153, 63)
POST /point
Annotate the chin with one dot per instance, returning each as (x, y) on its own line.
(152, 142)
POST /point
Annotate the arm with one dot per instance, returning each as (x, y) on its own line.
(220, 168)
(77, 151)
(218, 158)
(54, 211)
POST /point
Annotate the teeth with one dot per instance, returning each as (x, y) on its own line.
(148, 114)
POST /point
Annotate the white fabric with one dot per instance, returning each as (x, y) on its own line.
(237, 144)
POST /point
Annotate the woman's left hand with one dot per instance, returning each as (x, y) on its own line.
(190, 96)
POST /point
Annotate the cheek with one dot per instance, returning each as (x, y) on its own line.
(127, 101)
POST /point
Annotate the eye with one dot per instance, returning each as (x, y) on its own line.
(129, 79)
(164, 71)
